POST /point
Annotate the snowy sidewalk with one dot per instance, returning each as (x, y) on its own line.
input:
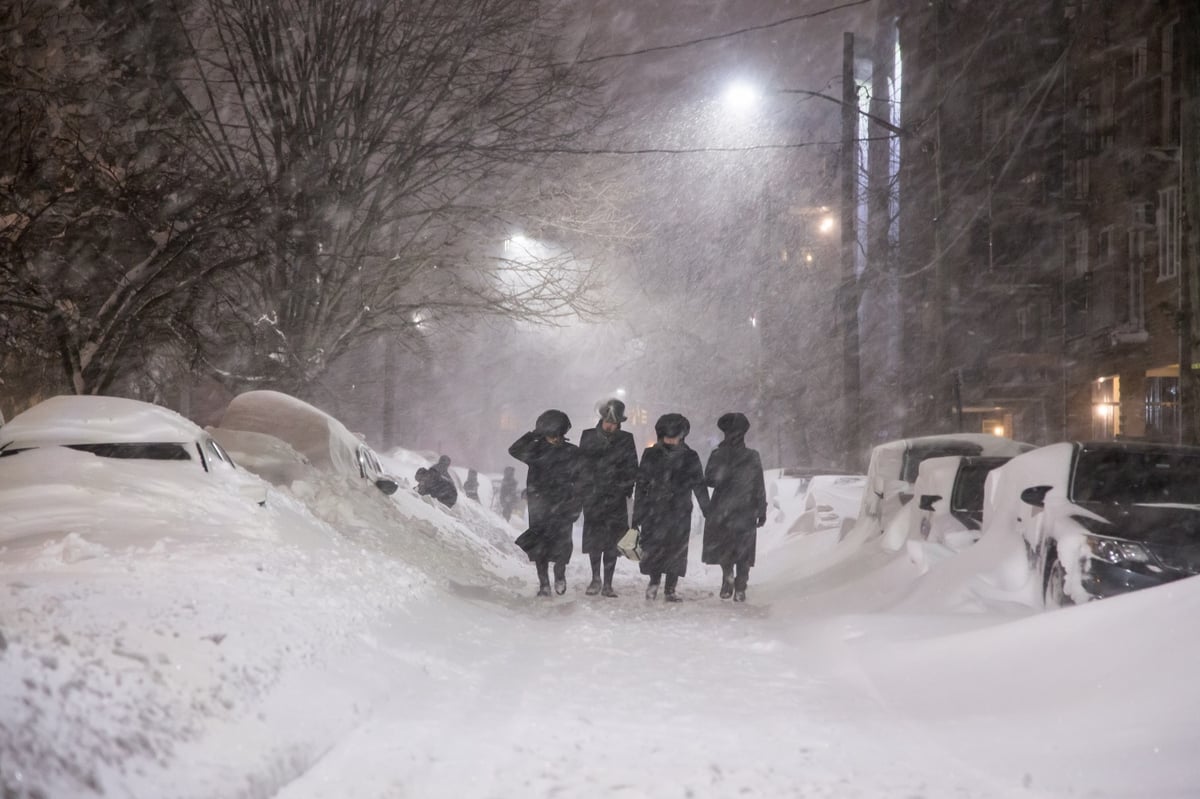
(503, 696)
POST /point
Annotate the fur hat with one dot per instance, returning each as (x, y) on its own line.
(612, 410)
(672, 425)
(733, 423)
(552, 423)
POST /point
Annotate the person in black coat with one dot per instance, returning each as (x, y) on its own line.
(553, 495)
(738, 507)
(610, 465)
(437, 483)
(670, 473)
(508, 492)
(471, 486)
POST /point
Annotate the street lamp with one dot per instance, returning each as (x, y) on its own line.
(741, 96)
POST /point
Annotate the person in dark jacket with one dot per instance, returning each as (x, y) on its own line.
(437, 482)
(670, 473)
(471, 486)
(610, 465)
(738, 507)
(508, 492)
(553, 495)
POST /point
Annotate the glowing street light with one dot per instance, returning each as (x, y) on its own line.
(826, 224)
(741, 96)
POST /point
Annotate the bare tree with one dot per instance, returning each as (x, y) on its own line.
(396, 146)
(106, 229)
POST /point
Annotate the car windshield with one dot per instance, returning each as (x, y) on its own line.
(923, 452)
(968, 487)
(137, 450)
(1142, 475)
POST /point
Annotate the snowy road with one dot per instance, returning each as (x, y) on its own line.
(498, 695)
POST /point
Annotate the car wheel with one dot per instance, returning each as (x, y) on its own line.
(1055, 586)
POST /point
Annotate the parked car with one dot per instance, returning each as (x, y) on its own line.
(324, 441)
(949, 495)
(1100, 518)
(830, 502)
(126, 429)
(893, 470)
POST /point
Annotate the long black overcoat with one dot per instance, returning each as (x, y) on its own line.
(552, 494)
(610, 466)
(739, 500)
(662, 505)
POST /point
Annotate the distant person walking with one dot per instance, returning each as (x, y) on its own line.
(738, 507)
(610, 465)
(471, 486)
(670, 473)
(437, 482)
(508, 492)
(553, 494)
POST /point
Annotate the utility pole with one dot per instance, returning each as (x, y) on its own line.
(389, 391)
(849, 290)
(878, 295)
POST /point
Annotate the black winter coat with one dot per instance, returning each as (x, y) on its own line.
(662, 506)
(552, 494)
(739, 501)
(610, 466)
(439, 486)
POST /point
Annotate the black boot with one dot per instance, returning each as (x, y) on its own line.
(652, 591)
(544, 589)
(608, 591)
(669, 595)
(593, 587)
(726, 582)
(739, 596)
(560, 578)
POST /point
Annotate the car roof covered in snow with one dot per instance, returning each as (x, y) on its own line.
(70, 419)
(312, 432)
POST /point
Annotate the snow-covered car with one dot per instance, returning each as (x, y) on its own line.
(1101, 518)
(830, 501)
(325, 442)
(893, 470)
(126, 429)
(949, 498)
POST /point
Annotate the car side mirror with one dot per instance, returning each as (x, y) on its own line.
(387, 485)
(1035, 495)
(905, 497)
(928, 501)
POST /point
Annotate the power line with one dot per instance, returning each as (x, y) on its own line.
(689, 150)
(718, 36)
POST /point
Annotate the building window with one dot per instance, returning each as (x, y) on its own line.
(1107, 127)
(1135, 289)
(1162, 408)
(1170, 86)
(1080, 178)
(1104, 248)
(1167, 223)
(1077, 251)
(1138, 58)
(1076, 307)
(1106, 408)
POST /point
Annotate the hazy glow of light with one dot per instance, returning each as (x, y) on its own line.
(998, 430)
(826, 224)
(741, 96)
(620, 392)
